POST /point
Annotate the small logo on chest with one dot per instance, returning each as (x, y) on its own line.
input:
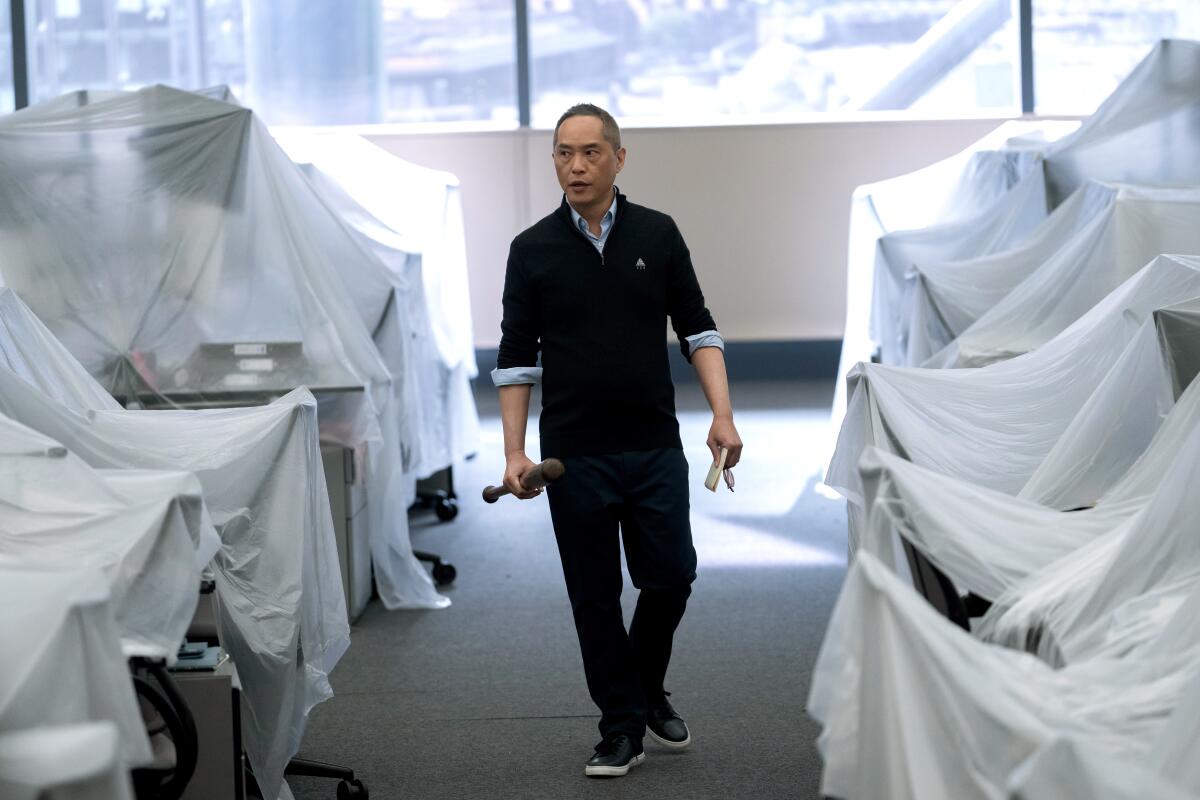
(640, 264)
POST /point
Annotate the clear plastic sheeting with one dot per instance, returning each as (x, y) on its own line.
(941, 299)
(1131, 414)
(993, 426)
(421, 209)
(184, 260)
(1067, 770)
(1106, 598)
(913, 707)
(280, 607)
(1121, 600)
(990, 543)
(1141, 224)
(410, 218)
(1001, 225)
(1147, 131)
(64, 762)
(1056, 482)
(1144, 133)
(1122, 415)
(1117, 591)
(985, 541)
(61, 662)
(944, 193)
(147, 532)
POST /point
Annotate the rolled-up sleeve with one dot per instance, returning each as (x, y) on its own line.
(704, 339)
(685, 302)
(516, 375)
(520, 329)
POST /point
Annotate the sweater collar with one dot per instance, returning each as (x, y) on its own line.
(564, 209)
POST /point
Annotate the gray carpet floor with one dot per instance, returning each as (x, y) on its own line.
(487, 699)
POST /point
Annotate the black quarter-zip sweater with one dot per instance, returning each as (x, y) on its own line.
(599, 321)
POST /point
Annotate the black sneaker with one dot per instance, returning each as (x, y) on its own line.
(614, 756)
(665, 726)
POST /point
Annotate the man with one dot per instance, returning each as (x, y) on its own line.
(591, 286)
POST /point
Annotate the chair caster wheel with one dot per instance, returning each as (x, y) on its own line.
(444, 574)
(446, 509)
(352, 790)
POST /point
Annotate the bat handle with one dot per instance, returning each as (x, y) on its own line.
(548, 471)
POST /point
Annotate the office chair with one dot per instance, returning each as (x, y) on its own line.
(174, 718)
(349, 787)
(437, 492)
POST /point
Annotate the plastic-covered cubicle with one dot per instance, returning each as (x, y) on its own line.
(1091, 408)
(183, 259)
(411, 218)
(993, 426)
(280, 610)
(1105, 598)
(1144, 133)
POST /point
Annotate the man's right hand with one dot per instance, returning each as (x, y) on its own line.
(517, 465)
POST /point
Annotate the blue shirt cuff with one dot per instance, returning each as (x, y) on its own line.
(511, 376)
(705, 339)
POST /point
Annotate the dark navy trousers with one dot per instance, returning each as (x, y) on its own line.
(639, 499)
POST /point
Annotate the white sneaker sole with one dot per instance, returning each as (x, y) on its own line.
(667, 742)
(614, 772)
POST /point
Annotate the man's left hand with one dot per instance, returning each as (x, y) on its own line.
(724, 434)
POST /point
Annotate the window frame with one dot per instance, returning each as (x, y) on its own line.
(21, 87)
(20, 54)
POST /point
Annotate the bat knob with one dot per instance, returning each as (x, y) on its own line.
(553, 469)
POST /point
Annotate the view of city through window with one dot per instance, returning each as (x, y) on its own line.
(1082, 49)
(6, 81)
(433, 61)
(721, 58)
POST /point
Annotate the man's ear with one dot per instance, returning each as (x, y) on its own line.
(620, 159)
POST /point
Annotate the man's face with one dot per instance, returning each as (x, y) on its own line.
(586, 164)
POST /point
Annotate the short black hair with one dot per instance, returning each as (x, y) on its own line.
(612, 133)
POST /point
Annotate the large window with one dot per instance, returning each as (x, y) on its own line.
(109, 44)
(450, 60)
(686, 61)
(6, 76)
(296, 61)
(689, 59)
(372, 61)
(1082, 50)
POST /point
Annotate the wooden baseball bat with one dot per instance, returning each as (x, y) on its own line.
(548, 471)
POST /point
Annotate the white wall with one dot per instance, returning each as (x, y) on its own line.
(764, 209)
